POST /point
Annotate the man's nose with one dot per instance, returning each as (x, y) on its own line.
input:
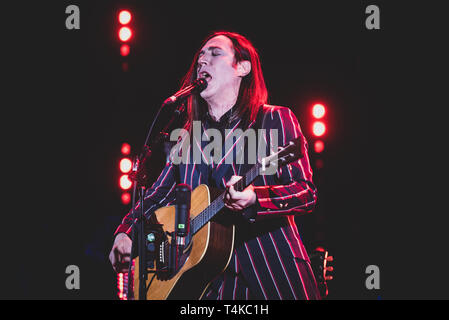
(202, 61)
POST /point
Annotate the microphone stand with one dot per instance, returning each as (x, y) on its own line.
(140, 179)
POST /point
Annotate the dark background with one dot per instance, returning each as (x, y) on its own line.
(71, 106)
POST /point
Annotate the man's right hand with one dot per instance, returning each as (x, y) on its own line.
(120, 253)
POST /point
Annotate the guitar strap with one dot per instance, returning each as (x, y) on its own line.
(257, 125)
(249, 213)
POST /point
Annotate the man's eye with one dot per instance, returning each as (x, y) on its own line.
(214, 53)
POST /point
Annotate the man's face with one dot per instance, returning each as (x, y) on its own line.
(216, 65)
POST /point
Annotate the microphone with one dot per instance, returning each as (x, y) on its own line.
(183, 194)
(182, 218)
(197, 85)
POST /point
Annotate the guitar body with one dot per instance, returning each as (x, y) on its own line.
(210, 252)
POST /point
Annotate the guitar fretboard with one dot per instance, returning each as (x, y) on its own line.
(216, 205)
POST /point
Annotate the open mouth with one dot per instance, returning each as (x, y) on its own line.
(205, 75)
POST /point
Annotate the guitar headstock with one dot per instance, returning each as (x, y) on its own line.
(289, 153)
(319, 260)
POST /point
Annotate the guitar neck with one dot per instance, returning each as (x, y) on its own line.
(292, 151)
(216, 205)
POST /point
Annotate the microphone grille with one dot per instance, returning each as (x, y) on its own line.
(201, 83)
(183, 193)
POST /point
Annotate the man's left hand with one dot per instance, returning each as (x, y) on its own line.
(238, 200)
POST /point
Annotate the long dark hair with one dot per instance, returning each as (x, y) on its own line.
(252, 93)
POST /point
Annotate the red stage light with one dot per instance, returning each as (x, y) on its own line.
(318, 111)
(125, 34)
(319, 128)
(319, 163)
(319, 146)
(126, 198)
(126, 149)
(124, 50)
(124, 182)
(124, 17)
(125, 165)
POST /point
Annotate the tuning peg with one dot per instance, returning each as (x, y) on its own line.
(327, 278)
(330, 258)
(329, 268)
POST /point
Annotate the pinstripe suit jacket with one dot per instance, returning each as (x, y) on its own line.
(268, 232)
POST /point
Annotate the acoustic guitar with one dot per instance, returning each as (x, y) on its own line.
(210, 243)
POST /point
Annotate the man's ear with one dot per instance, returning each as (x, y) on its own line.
(243, 68)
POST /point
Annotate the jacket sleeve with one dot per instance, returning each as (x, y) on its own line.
(290, 190)
(160, 194)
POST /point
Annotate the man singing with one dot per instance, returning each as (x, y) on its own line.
(269, 260)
